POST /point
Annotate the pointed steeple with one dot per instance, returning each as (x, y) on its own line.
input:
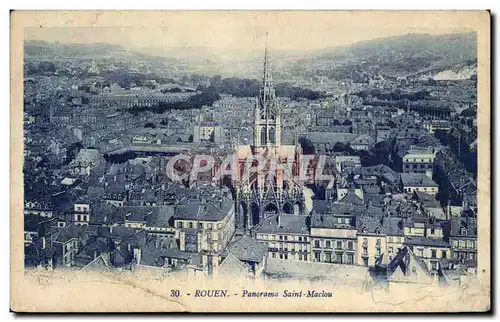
(267, 95)
(267, 130)
(267, 79)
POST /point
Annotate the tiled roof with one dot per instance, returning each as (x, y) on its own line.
(289, 224)
(329, 137)
(232, 267)
(457, 223)
(248, 249)
(351, 198)
(417, 180)
(424, 241)
(209, 211)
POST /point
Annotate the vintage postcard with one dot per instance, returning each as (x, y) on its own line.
(250, 161)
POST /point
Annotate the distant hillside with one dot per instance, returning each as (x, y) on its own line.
(180, 60)
(461, 71)
(394, 56)
(46, 50)
(408, 55)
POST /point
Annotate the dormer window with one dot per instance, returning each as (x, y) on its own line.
(363, 230)
(377, 230)
(463, 231)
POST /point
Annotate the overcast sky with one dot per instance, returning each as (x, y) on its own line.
(245, 31)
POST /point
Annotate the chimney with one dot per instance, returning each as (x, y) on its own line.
(471, 222)
(137, 255)
(279, 220)
(43, 242)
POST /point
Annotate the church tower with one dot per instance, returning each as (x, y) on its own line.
(268, 191)
(267, 130)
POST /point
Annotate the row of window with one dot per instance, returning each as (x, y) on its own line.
(343, 220)
(290, 247)
(434, 253)
(82, 217)
(158, 228)
(70, 245)
(37, 205)
(378, 251)
(339, 244)
(283, 238)
(418, 166)
(464, 256)
(378, 242)
(82, 209)
(396, 239)
(334, 257)
(471, 244)
(420, 189)
(301, 257)
(192, 225)
(417, 160)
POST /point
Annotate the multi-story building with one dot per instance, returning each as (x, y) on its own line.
(383, 133)
(206, 225)
(418, 182)
(378, 239)
(372, 244)
(115, 195)
(81, 213)
(463, 240)
(430, 250)
(85, 160)
(208, 132)
(287, 237)
(40, 208)
(437, 125)
(138, 99)
(419, 161)
(362, 142)
(333, 233)
(341, 160)
(394, 236)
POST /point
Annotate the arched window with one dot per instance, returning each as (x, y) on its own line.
(263, 135)
(272, 135)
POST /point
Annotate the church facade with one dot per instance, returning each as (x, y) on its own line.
(266, 182)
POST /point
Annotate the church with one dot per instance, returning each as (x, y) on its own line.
(271, 187)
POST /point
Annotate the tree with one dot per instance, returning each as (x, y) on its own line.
(306, 145)
(381, 152)
(468, 112)
(341, 147)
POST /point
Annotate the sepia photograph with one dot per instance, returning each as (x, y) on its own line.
(250, 161)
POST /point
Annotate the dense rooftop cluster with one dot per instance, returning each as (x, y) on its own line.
(97, 196)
